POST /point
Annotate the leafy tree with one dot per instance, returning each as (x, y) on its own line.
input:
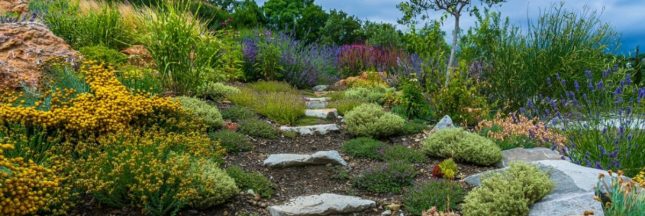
(340, 29)
(429, 45)
(301, 17)
(413, 8)
(382, 34)
(246, 14)
(228, 5)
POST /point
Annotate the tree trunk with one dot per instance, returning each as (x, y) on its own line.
(453, 49)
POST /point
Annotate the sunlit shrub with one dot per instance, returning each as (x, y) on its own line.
(103, 55)
(258, 128)
(238, 113)
(508, 193)
(412, 104)
(343, 106)
(284, 107)
(462, 146)
(233, 142)
(461, 101)
(372, 120)
(160, 172)
(399, 152)
(25, 187)
(140, 80)
(215, 90)
(515, 125)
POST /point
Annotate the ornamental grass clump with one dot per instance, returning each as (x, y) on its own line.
(462, 146)
(620, 196)
(25, 187)
(511, 192)
(373, 121)
(279, 103)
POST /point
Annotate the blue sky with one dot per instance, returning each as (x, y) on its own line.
(626, 16)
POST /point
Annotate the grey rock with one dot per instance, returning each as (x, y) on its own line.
(445, 122)
(318, 158)
(320, 88)
(317, 99)
(321, 113)
(573, 191)
(312, 129)
(316, 104)
(528, 155)
(323, 204)
(386, 213)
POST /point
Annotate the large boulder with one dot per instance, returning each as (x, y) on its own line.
(14, 6)
(24, 48)
(323, 204)
(528, 155)
(573, 192)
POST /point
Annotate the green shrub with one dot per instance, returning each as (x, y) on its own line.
(343, 106)
(462, 146)
(364, 147)
(215, 90)
(461, 100)
(251, 180)
(413, 104)
(372, 95)
(372, 120)
(258, 128)
(238, 113)
(140, 80)
(271, 86)
(444, 195)
(212, 184)
(517, 142)
(399, 152)
(508, 193)
(449, 168)
(284, 107)
(202, 111)
(232, 141)
(391, 178)
(104, 55)
(414, 127)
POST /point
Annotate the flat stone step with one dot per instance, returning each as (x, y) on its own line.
(316, 104)
(312, 129)
(318, 158)
(321, 113)
(317, 99)
(323, 204)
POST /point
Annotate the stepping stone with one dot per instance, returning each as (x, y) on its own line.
(312, 129)
(317, 99)
(316, 104)
(573, 192)
(321, 113)
(318, 158)
(323, 204)
(320, 88)
(528, 155)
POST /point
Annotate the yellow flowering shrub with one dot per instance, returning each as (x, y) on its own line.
(160, 172)
(640, 178)
(501, 128)
(25, 187)
(109, 107)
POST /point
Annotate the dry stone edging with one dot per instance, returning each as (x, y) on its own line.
(312, 129)
(573, 192)
(318, 158)
(323, 204)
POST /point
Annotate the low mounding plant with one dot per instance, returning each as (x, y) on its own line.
(233, 142)
(516, 128)
(621, 197)
(343, 106)
(391, 178)
(399, 152)
(238, 113)
(448, 168)
(258, 128)
(444, 195)
(363, 147)
(511, 192)
(163, 172)
(462, 146)
(371, 120)
(251, 180)
(215, 90)
(104, 55)
(202, 111)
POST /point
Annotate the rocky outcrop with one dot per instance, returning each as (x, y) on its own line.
(573, 192)
(318, 158)
(24, 48)
(14, 6)
(323, 204)
(528, 155)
